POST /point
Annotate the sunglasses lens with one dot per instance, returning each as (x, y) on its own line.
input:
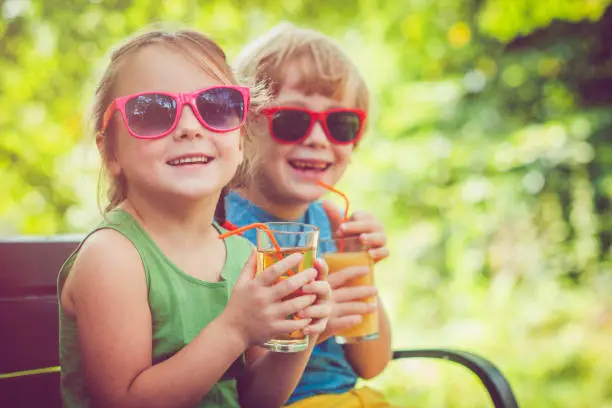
(343, 126)
(150, 115)
(221, 108)
(290, 125)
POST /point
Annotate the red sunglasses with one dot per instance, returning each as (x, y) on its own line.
(152, 115)
(289, 124)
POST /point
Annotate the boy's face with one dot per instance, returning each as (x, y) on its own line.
(288, 172)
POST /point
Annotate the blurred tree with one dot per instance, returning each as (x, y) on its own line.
(488, 159)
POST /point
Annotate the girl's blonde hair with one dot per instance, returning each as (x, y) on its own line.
(195, 46)
(324, 69)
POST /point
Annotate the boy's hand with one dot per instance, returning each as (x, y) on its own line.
(363, 224)
(348, 304)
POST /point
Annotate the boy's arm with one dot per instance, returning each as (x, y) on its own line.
(369, 358)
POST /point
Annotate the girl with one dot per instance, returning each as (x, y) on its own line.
(155, 309)
(320, 102)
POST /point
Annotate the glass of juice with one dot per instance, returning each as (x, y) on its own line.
(291, 237)
(341, 253)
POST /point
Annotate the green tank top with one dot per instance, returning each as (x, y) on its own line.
(181, 306)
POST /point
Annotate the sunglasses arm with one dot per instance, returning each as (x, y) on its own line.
(108, 114)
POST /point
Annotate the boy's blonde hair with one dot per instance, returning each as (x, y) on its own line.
(195, 46)
(324, 69)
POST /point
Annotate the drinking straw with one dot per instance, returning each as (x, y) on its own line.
(341, 194)
(346, 206)
(256, 225)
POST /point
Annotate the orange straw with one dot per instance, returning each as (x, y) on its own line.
(346, 206)
(341, 194)
(256, 225)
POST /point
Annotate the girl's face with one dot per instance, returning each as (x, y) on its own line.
(287, 172)
(153, 168)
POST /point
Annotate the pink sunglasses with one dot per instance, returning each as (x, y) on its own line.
(152, 115)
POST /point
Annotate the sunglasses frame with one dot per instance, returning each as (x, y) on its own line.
(315, 117)
(182, 99)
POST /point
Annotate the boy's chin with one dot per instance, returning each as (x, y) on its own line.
(307, 195)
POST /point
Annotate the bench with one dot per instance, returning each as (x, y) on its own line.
(29, 349)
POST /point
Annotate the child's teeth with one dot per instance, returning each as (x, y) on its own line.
(309, 165)
(188, 160)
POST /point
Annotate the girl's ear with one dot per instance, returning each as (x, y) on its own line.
(107, 157)
(100, 142)
(113, 167)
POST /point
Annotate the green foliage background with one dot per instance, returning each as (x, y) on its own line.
(488, 161)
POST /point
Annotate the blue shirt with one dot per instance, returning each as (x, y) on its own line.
(327, 371)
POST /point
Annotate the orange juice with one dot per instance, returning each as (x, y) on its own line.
(368, 328)
(297, 340)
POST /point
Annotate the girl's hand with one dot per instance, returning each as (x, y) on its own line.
(256, 307)
(320, 311)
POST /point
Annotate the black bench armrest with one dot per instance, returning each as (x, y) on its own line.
(494, 381)
(34, 388)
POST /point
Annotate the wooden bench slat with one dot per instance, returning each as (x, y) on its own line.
(32, 391)
(30, 333)
(31, 266)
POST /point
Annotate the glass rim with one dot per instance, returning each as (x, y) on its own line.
(309, 228)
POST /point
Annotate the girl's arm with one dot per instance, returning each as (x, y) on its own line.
(108, 296)
(369, 358)
(271, 377)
